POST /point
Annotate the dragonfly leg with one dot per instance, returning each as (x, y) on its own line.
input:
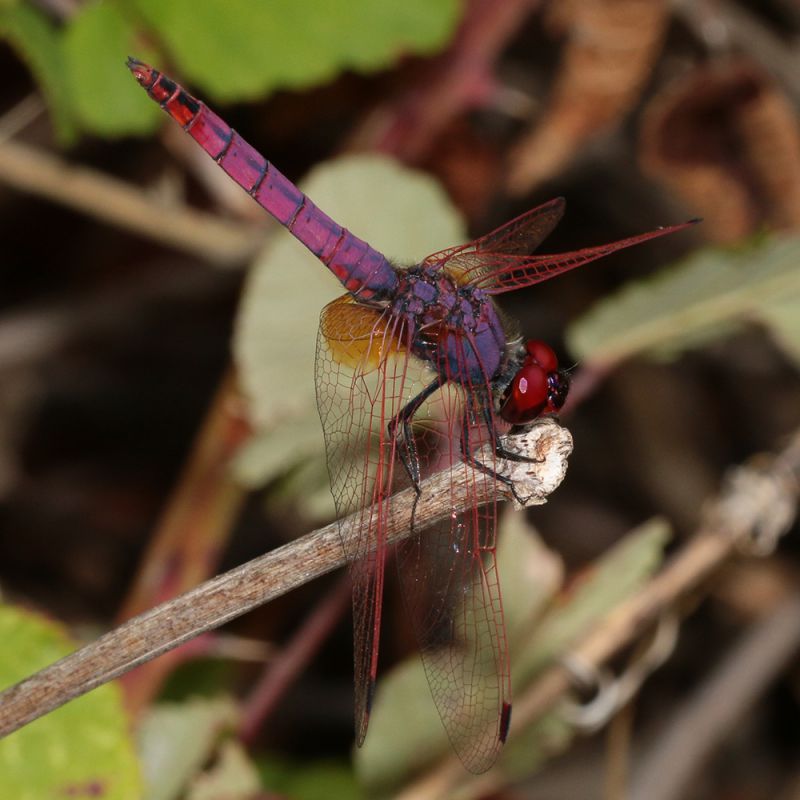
(407, 447)
(468, 419)
(499, 448)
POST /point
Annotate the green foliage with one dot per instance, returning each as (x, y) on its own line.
(105, 100)
(711, 294)
(288, 44)
(39, 44)
(275, 337)
(81, 747)
(531, 574)
(227, 49)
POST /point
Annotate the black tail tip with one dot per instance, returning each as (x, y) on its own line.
(695, 221)
(132, 63)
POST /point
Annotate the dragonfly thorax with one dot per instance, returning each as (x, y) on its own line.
(455, 327)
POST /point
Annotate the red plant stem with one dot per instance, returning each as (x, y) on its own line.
(287, 667)
(193, 529)
(458, 78)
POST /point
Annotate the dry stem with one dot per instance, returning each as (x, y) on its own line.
(241, 589)
(102, 197)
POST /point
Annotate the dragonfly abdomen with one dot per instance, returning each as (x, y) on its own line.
(362, 270)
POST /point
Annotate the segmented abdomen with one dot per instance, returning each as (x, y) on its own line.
(361, 269)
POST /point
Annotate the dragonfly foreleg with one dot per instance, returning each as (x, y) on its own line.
(406, 445)
(467, 421)
(500, 449)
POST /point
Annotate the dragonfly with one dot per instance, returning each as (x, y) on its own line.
(417, 371)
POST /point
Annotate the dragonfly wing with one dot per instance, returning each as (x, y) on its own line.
(496, 273)
(451, 590)
(520, 236)
(363, 377)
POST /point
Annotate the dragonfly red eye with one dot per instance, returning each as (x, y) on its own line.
(526, 397)
(538, 387)
(541, 354)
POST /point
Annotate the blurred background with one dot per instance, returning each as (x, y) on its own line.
(157, 417)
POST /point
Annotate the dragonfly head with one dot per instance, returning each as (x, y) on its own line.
(538, 386)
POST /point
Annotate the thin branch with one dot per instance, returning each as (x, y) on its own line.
(21, 115)
(713, 710)
(32, 334)
(242, 589)
(41, 173)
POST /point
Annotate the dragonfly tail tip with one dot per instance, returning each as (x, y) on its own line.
(141, 71)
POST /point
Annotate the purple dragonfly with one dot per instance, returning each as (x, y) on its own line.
(416, 371)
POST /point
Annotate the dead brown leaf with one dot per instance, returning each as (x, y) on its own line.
(610, 50)
(725, 139)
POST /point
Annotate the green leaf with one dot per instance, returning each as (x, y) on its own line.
(403, 213)
(240, 49)
(308, 780)
(38, 44)
(711, 294)
(79, 750)
(107, 101)
(176, 739)
(620, 572)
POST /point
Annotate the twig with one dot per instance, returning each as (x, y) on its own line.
(37, 332)
(20, 116)
(618, 753)
(222, 243)
(713, 710)
(192, 531)
(240, 590)
(608, 57)
(757, 506)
